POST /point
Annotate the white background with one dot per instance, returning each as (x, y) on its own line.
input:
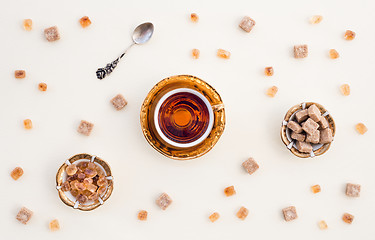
(253, 120)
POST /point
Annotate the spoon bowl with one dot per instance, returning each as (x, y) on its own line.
(143, 33)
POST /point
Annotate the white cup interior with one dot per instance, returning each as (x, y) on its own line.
(210, 123)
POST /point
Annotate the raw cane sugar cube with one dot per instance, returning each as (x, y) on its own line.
(247, 24)
(295, 127)
(323, 122)
(85, 21)
(54, 225)
(229, 191)
(28, 24)
(348, 218)
(315, 189)
(290, 213)
(310, 126)
(52, 34)
(345, 89)
(221, 53)
(271, 92)
(20, 74)
(304, 147)
(322, 225)
(313, 138)
(349, 35)
(163, 201)
(119, 102)
(326, 136)
(214, 217)
(142, 215)
(242, 213)
(298, 136)
(250, 165)
(314, 113)
(24, 215)
(333, 54)
(195, 53)
(268, 71)
(16, 173)
(301, 51)
(85, 127)
(361, 128)
(27, 124)
(302, 115)
(353, 190)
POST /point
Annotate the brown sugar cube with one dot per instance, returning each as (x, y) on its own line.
(361, 128)
(85, 127)
(313, 138)
(247, 24)
(28, 24)
(119, 102)
(85, 21)
(349, 35)
(194, 17)
(142, 215)
(322, 225)
(54, 225)
(353, 190)
(298, 136)
(52, 34)
(326, 136)
(290, 213)
(229, 191)
(221, 53)
(333, 54)
(348, 218)
(301, 51)
(19, 74)
(314, 113)
(268, 71)
(295, 127)
(195, 53)
(310, 126)
(323, 122)
(214, 217)
(304, 147)
(164, 201)
(271, 92)
(242, 213)
(315, 189)
(316, 19)
(16, 173)
(345, 89)
(42, 87)
(250, 165)
(27, 124)
(302, 115)
(24, 215)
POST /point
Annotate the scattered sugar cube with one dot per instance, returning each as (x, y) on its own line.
(326, 136)
(16, 173)
(290, 213)
(316, 19)
(302, 115)
(24, 215)
(164, 201)
(194, 17)
(314, 113)
(52, 34)
(301, 51)
(54, 225)
(345, 89)
(348, 218)
(349, 35)
(195, 53)
(27, 124)
(229, 191)
(304, 147)
(268, 71)
(353, 190)
(85, 127)
(119, 102)
(315, 188)
(271, 92)
(323, 122)
(322, 225)
(310, 126)
(298, 136)
(250, 165)
(242, 213)
(295, 127)
(221, 53)
(214, 217)
(247, 24)
(361, 128)
(85, 21)
(313, 138)
(142, 215)
(42, 87)
(28, 24)
(20, 74)
(333, 54)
